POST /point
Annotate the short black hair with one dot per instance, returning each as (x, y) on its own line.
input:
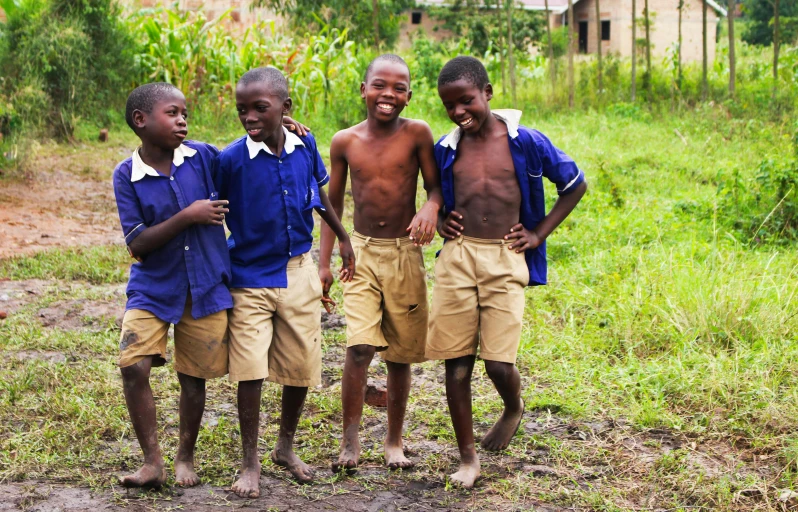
(272, 77)
(464, 67)
(144, 98)
(390, 57)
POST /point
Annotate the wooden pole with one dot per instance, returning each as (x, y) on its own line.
(375, 16)
(510, 51)
(598, 45)
(634, 50)
(732, 63)
(705, 54)
(570, 54)
(552, 67)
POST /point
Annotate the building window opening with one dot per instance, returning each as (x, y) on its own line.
(605, 30)
(415, 17)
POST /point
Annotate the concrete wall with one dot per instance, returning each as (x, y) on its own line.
(664, 27)
(428, 26)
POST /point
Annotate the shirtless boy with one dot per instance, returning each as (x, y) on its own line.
(386, 301)
(495, 225)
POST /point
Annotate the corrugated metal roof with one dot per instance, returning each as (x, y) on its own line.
(555, 6)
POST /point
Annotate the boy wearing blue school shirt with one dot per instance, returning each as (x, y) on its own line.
(495, 223)
(273, 179)
(172, 223)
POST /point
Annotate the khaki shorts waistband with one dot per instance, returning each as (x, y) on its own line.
(370, 240)
(482, 241)
(300, 261)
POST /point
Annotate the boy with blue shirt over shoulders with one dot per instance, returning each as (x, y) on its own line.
(273, 179)
(172, 223)
(495, 224)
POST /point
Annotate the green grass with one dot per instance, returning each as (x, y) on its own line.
(656, 317)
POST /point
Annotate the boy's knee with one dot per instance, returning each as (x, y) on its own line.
(136, 373)
(497, 370)
(191, 385)
(361, 354)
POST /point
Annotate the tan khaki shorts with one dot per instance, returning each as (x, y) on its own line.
(478, 299)
(275, 333)
(200, 344)
(386, 301)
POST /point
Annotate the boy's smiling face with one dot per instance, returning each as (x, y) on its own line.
(386, 90)
(260, 110)
(466, 104)
(166, 125)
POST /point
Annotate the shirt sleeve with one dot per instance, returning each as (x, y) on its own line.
(219, 175)
(319, 170)
(558, 167)
(127, 202)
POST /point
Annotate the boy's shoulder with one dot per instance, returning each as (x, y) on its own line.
(234, 148)
(201, 147)
(123, 169)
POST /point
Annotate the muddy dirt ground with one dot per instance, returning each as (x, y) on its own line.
(69, 207)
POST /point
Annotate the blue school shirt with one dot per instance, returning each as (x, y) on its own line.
(271, 206)
(534, 157)
(196, 260)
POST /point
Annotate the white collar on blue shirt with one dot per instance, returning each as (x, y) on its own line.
(140, 169)
(511, 117)
(291, 141)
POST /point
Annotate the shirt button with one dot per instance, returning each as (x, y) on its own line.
(186, 247)
(171, 178)
(279, 161)
(285, 192)
(289, 253)
(289, 226)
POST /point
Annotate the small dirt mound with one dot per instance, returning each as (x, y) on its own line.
(76, 314)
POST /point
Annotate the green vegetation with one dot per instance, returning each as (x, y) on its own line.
(658, 365)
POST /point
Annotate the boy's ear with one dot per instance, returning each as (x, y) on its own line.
(489, 91)
(139, 119)
(409, 95)
(287, 106)
(363, 90)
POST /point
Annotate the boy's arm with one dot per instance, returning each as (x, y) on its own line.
(202, 211)
(332, 222)
(529, 239)
(422, 227)
(571, 186)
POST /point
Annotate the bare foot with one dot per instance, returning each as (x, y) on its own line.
(499, 436)
(350, 455)
(288, 459)
(466, 475)
(148, 475)
(395, 457)
(184, 474)
(248, 485)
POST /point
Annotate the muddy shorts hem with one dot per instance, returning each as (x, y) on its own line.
(297, 383)
(439, 355)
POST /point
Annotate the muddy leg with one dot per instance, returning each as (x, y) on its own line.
(248, 484)
(141, 407)
(192, 406)
(458, 396)
(283, 454)
(353, 391)
(398, 391)
(507, 380)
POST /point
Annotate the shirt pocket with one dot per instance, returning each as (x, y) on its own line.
(312, 199)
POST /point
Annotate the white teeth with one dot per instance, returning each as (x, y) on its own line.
(467, 122)
(385, 107)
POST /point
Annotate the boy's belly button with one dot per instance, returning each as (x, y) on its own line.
(382, 224)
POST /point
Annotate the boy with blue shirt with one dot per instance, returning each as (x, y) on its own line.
(495, 224)
(273, 179)
(172, 223)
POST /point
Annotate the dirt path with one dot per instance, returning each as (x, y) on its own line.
(68, 201)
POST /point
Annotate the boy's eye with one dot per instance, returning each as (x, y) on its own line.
(467, 102)
(261, 109)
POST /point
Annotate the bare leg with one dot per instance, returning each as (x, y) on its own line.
(398, 391)
(248, 484)
(141, 407)
(353, 391)
(283, 454)
(507, 380)
(192, 406)
(458, 396)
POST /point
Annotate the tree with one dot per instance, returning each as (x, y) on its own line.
(679, 56)
(358, 16)
(732, 64)
(598, 44)
(647, 76)
(375, 15)
(510, 49)
(570, 54)
(776, 42)
(499, 39)
(634, 50)
(704, 55)
(759, 17)
(552, 68)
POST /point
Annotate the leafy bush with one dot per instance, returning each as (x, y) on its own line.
(73, 53)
